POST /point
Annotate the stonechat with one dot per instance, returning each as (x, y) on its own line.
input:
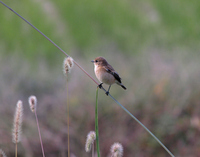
(105, 73)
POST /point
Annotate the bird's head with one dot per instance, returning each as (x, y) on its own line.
(99, 61)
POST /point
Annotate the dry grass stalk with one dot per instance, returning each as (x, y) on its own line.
(33, 103)
(67, 66)
(17, 124)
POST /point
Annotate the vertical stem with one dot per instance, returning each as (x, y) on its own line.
(96, 124)
(93, 150)
(16, 149)
(68, 120)
(39, 133)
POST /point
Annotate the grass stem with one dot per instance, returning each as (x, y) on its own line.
(96, 124)
(16, 150)
(68, 120)
(93, 150)
(39, 134)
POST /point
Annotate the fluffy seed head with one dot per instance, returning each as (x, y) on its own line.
(2, 154)
(32, 103)
(116, 150)
(90, 140)
(67, 65)
(17, 124)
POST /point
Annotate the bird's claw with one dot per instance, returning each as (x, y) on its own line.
(107, 93)
(100, 85)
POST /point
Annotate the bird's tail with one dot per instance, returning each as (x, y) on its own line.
(123, 86)
(120, 84)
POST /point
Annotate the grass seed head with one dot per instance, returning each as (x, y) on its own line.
(17, 124)
(32, 103)
(2, 154)
(90, 140)
(67, 65)
(116, 150)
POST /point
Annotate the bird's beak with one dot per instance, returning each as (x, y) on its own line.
(92, 61)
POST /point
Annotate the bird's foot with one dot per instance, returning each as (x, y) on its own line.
(100, 85)
(107, 93)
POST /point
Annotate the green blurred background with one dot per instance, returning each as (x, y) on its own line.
(154, 46)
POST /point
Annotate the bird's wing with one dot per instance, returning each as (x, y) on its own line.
(110, 70)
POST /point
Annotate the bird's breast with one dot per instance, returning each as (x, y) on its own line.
(103, 76)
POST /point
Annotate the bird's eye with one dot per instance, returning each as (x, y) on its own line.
(96, 61)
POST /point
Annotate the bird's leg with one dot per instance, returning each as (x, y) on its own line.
(100, 85)
(108, 90)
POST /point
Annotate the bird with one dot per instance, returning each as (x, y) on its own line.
(105, 73)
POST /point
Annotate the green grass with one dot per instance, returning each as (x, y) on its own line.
(86, 25)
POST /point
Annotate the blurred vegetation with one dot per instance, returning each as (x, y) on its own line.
(154, 45)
